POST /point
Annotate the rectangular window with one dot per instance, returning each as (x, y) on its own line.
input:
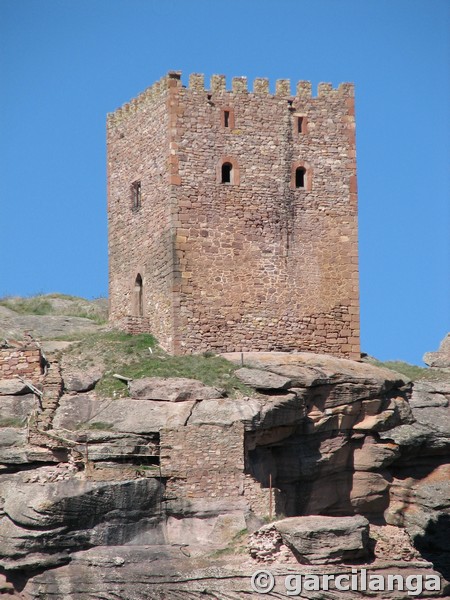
(136, 196)
(227, 118)
(300, 125)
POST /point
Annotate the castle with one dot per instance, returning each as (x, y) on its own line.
(232, 216)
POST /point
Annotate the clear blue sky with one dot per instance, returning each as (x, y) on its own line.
(65, 63)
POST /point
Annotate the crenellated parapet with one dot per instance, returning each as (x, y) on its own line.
(153, 93)
(261, 87)
(218, 85)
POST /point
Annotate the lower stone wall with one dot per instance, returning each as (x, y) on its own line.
(207, 461)
(203, 461)
(258, 497)
(24, 360)
(335, 332)
(135, 325)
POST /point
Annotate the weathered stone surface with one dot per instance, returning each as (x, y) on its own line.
(420, 502)
(314, 369)
(430, 430)
(14, 410)
(323, 540)
(53, 346)
(225, 411)
(15, 450)
(12, 436)
(372, 455)
(207, 532)
(254, 413)
(171, 389)
(370, 492)
(441, 358)
(123, 414)
(264, 380)
(111, 445)
(12, 387)
(55, 517)
(281, 410)
(395, 412)
(164, 572)
(81, 381)
(45, 326)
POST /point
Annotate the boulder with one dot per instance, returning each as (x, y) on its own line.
(225, 411)
(81, 381)
(171, 389)
(262, 380)
(13, 387)
(321, 540)
(314, 369)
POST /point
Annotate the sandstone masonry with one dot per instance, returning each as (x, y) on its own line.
(21, 359)
(233, 217)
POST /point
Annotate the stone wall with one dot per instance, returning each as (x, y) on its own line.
(140, 237)
(203, 461)
(23, 360)
(254, 264)
(208, 461)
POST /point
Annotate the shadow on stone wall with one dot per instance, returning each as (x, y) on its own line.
(434, 544)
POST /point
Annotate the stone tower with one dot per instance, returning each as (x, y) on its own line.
(233, 216)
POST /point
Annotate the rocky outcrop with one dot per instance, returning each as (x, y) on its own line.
(45, 326)
(420, 488)
(44, 520)
(67, 315)
(122, 414)
(441, 358)
(175, 477)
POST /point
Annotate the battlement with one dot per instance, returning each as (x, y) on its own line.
(218, 85)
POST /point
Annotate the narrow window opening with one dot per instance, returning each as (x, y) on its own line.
(138, 296)
(227, 169)
(136, 194)
(300, 177)
(226, 118)
(299, 124)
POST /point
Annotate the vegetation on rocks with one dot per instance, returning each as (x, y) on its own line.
(58, 304)
(413, 372)
(135, 356)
